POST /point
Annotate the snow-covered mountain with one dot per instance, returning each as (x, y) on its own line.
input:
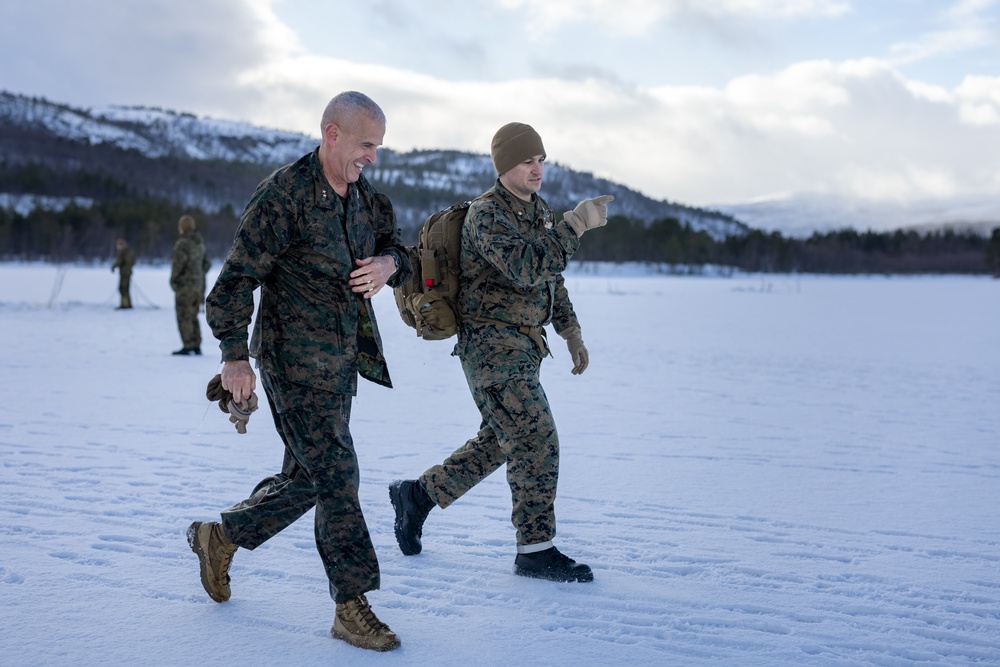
(156, 133)
(801, 215)
(214, 163)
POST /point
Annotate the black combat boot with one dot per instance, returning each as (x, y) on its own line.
(185, 351)
(552, 565)
(412, 505)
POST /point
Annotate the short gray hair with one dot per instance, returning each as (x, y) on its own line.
(346, 105)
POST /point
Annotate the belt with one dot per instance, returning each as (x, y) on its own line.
(536, 334)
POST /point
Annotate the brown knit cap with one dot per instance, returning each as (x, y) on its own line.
(186, 224)
(514, 143)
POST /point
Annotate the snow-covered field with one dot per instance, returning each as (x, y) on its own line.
(761, 471)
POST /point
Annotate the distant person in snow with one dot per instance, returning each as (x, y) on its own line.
(188, 267)
(513, 253)
(124, 261)
(319, 241)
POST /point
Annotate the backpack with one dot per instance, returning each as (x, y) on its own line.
(428, 301)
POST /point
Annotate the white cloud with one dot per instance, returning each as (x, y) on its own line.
(797, 88)
(979, 100)
(928, 92)
(771, 8)
(622, 16)
(855, 128)
(966, 25)
(979, 114)
(638, 16)
(851, 127)
(965, 9)
(172, 53)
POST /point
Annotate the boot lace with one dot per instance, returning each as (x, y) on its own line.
(560, 560)
(367, 618)
(225, 555)
(418, 511)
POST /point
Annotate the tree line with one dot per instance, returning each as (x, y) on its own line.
(680, 248)
(79, 233)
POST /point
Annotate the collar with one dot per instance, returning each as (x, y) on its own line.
(324, 194)
(522, 210)
(533, 212)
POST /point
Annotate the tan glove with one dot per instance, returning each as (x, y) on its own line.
(239, 413)
(577, 350)
(589, 214)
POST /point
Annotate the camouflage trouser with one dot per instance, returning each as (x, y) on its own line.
(186, 302)
(320, 469)
(517, 429)
(124, 278)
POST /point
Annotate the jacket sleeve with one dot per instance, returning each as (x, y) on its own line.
(178, 263)
(388, 239)
(264, 233)
(563, 315)
(524, 261)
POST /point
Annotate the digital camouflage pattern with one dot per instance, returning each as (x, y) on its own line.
(188, 265)
(321, 470)
(517, 429)
(298, 240)
(186, 304)
(524, 249)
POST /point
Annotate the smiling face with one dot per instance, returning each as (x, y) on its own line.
(348, 147)
(525, 178)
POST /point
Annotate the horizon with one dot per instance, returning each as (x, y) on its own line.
(824, 213)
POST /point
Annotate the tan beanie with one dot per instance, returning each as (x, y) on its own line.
(514, 143)
(186, 224)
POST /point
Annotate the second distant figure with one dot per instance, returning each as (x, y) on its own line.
(124, 261)
(188, 267)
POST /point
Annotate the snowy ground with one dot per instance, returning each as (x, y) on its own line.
(761, 471)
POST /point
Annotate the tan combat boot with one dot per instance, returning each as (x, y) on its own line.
(215, 553)
(356, 624)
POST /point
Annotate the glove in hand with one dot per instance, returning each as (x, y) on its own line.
(239, 413)
(589, 214)
(577, 350)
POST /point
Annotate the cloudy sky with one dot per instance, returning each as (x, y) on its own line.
(698, 101)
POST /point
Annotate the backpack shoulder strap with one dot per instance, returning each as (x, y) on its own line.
(492, 195)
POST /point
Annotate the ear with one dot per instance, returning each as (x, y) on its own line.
(331, 132)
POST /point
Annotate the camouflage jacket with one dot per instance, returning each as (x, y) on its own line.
(124, 260)
(298, 242)
(523, 251)
(188, 264)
